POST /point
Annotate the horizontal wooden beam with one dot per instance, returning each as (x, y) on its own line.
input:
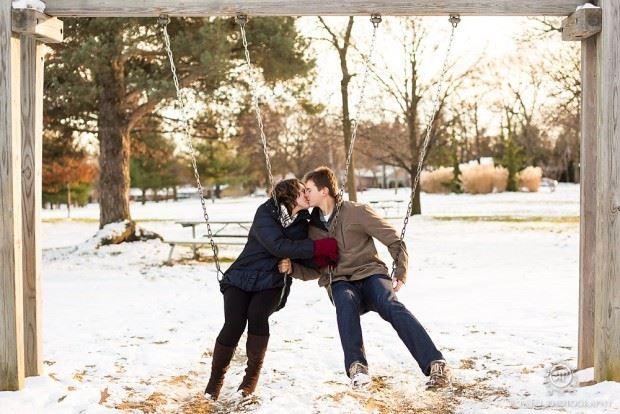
(582, 24)
(145, 8)
(44, 28)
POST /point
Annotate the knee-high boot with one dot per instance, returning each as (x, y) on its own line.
(221, 360)
(256, 348)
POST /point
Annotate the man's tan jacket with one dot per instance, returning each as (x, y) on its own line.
(356, 226)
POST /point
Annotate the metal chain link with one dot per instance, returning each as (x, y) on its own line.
(182, 103)
(455, 19)
(375, 19)
(242, 20)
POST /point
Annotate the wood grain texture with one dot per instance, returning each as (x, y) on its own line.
(120, 8)
(32, 55)
(607, 301)
(11, 324)
(587, 233)
(43, 27)
(582, 24)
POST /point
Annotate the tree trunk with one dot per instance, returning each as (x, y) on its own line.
(143, 196)
(417, 205)
(68, 200)
(344, 93)
(346, 130)
(114, 152)
(384, 180)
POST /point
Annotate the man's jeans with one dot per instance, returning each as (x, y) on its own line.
(375, 293)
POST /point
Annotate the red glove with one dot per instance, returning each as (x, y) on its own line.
(326, 252)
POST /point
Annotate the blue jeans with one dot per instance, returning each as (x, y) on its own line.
(375, 293)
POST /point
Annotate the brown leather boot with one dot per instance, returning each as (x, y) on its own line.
(221, 359)
(256, 348)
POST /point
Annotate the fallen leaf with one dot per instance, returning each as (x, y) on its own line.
(104, 396)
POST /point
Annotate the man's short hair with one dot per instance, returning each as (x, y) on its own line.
(324, 177)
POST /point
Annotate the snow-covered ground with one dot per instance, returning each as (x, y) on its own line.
(493, 278)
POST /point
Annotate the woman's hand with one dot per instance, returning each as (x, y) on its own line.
(285, 266)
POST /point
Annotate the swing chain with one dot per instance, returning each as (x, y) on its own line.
(242, 20)
(163, 21)
(375, 19)
(455, 19)
(353, 121)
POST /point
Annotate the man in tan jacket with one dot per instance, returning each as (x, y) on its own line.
(360, 281)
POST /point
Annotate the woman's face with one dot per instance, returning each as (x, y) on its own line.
(302, 201)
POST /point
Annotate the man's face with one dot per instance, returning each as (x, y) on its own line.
(302, 199)
(314, 195)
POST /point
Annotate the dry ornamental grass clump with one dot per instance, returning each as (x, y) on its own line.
(479, 179)
(436, 181)
(484, 179)
(530, 179)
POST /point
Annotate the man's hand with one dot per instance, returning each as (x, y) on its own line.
(285, 266)
(397, 284)
(326, 252)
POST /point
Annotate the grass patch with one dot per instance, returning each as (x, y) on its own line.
(512, 219)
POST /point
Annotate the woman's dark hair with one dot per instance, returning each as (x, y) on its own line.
(287, 192)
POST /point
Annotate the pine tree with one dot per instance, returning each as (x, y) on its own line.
(455, 185)
(111, 73)
(512, 156)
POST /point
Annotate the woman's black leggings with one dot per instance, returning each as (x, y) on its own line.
(241, 307)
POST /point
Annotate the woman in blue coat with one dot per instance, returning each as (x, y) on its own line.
(253, 288)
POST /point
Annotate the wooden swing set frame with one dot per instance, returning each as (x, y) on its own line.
(23, 33)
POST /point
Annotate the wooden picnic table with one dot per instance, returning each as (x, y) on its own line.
(197, 242)
(386, 205)
(245, 225)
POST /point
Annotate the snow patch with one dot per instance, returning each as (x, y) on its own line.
(29, 4)
(107, 232)
(587, 6)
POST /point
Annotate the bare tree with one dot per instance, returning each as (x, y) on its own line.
(307, 139)
(408, 91)
(555, 72)
(342, 44)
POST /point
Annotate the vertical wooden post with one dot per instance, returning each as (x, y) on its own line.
(11, 323)
(607, 300)
(587, 234)
(32, 55)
